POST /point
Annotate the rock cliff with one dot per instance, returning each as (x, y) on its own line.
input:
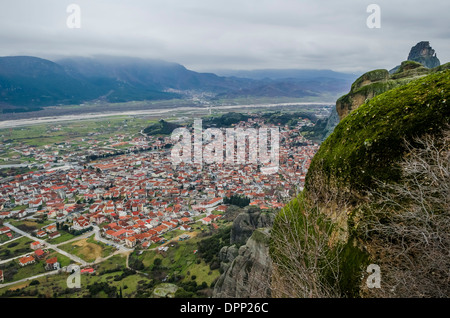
(424, 54)
(247, 271)
(335, 223)
(248, 221)
(421, 53)
(245, 265)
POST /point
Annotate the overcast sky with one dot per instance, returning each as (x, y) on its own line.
(206, 35)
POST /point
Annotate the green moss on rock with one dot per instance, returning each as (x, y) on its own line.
(365, 146)
(379, 81)
(369, 141)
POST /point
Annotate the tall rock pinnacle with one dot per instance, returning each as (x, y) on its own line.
(424, 54)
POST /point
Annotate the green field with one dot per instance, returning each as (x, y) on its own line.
(65, 236)
(15, 248)
(109, 272)
(180, 260)
(71, 136)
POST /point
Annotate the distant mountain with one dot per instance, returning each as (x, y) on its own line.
(291, 87)
(277, 74)
(28, 83)
(146, 73)
(290, 82)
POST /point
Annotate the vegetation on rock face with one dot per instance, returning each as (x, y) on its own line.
(369, 77)
(309, 257)
(317, 238)
(377, 82)
(410, 69)
(368, 142)
(406, 225)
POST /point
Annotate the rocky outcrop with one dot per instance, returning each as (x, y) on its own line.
(422, 60)
(246, 265)
(363, 152)
(247, 271)
(376, 82)
(246, 222)
(421, 53)
(364, 88)
(424, 54)
(226, 256)
(332, 121)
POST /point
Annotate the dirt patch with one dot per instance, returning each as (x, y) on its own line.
(89, 251)
(19, 286)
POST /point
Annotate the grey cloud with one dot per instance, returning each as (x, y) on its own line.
(239, 34)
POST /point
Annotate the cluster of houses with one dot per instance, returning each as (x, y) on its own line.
(7, 231)
(137, 197)
(40, 253)
(49, 231)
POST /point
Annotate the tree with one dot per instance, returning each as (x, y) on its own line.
(157, 262)
(240, 201)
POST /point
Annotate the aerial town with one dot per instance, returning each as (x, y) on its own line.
(131, 200)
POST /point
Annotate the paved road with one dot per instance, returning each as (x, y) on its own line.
(120, 250)
(12, 258)
(7, 242)
(29, 278)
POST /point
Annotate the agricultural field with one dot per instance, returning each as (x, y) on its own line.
(46, 134)
(59, 139)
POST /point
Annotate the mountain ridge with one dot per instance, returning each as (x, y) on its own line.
(28, 83)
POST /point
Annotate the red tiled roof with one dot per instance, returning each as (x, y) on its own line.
(26, 259)
(39, 252)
